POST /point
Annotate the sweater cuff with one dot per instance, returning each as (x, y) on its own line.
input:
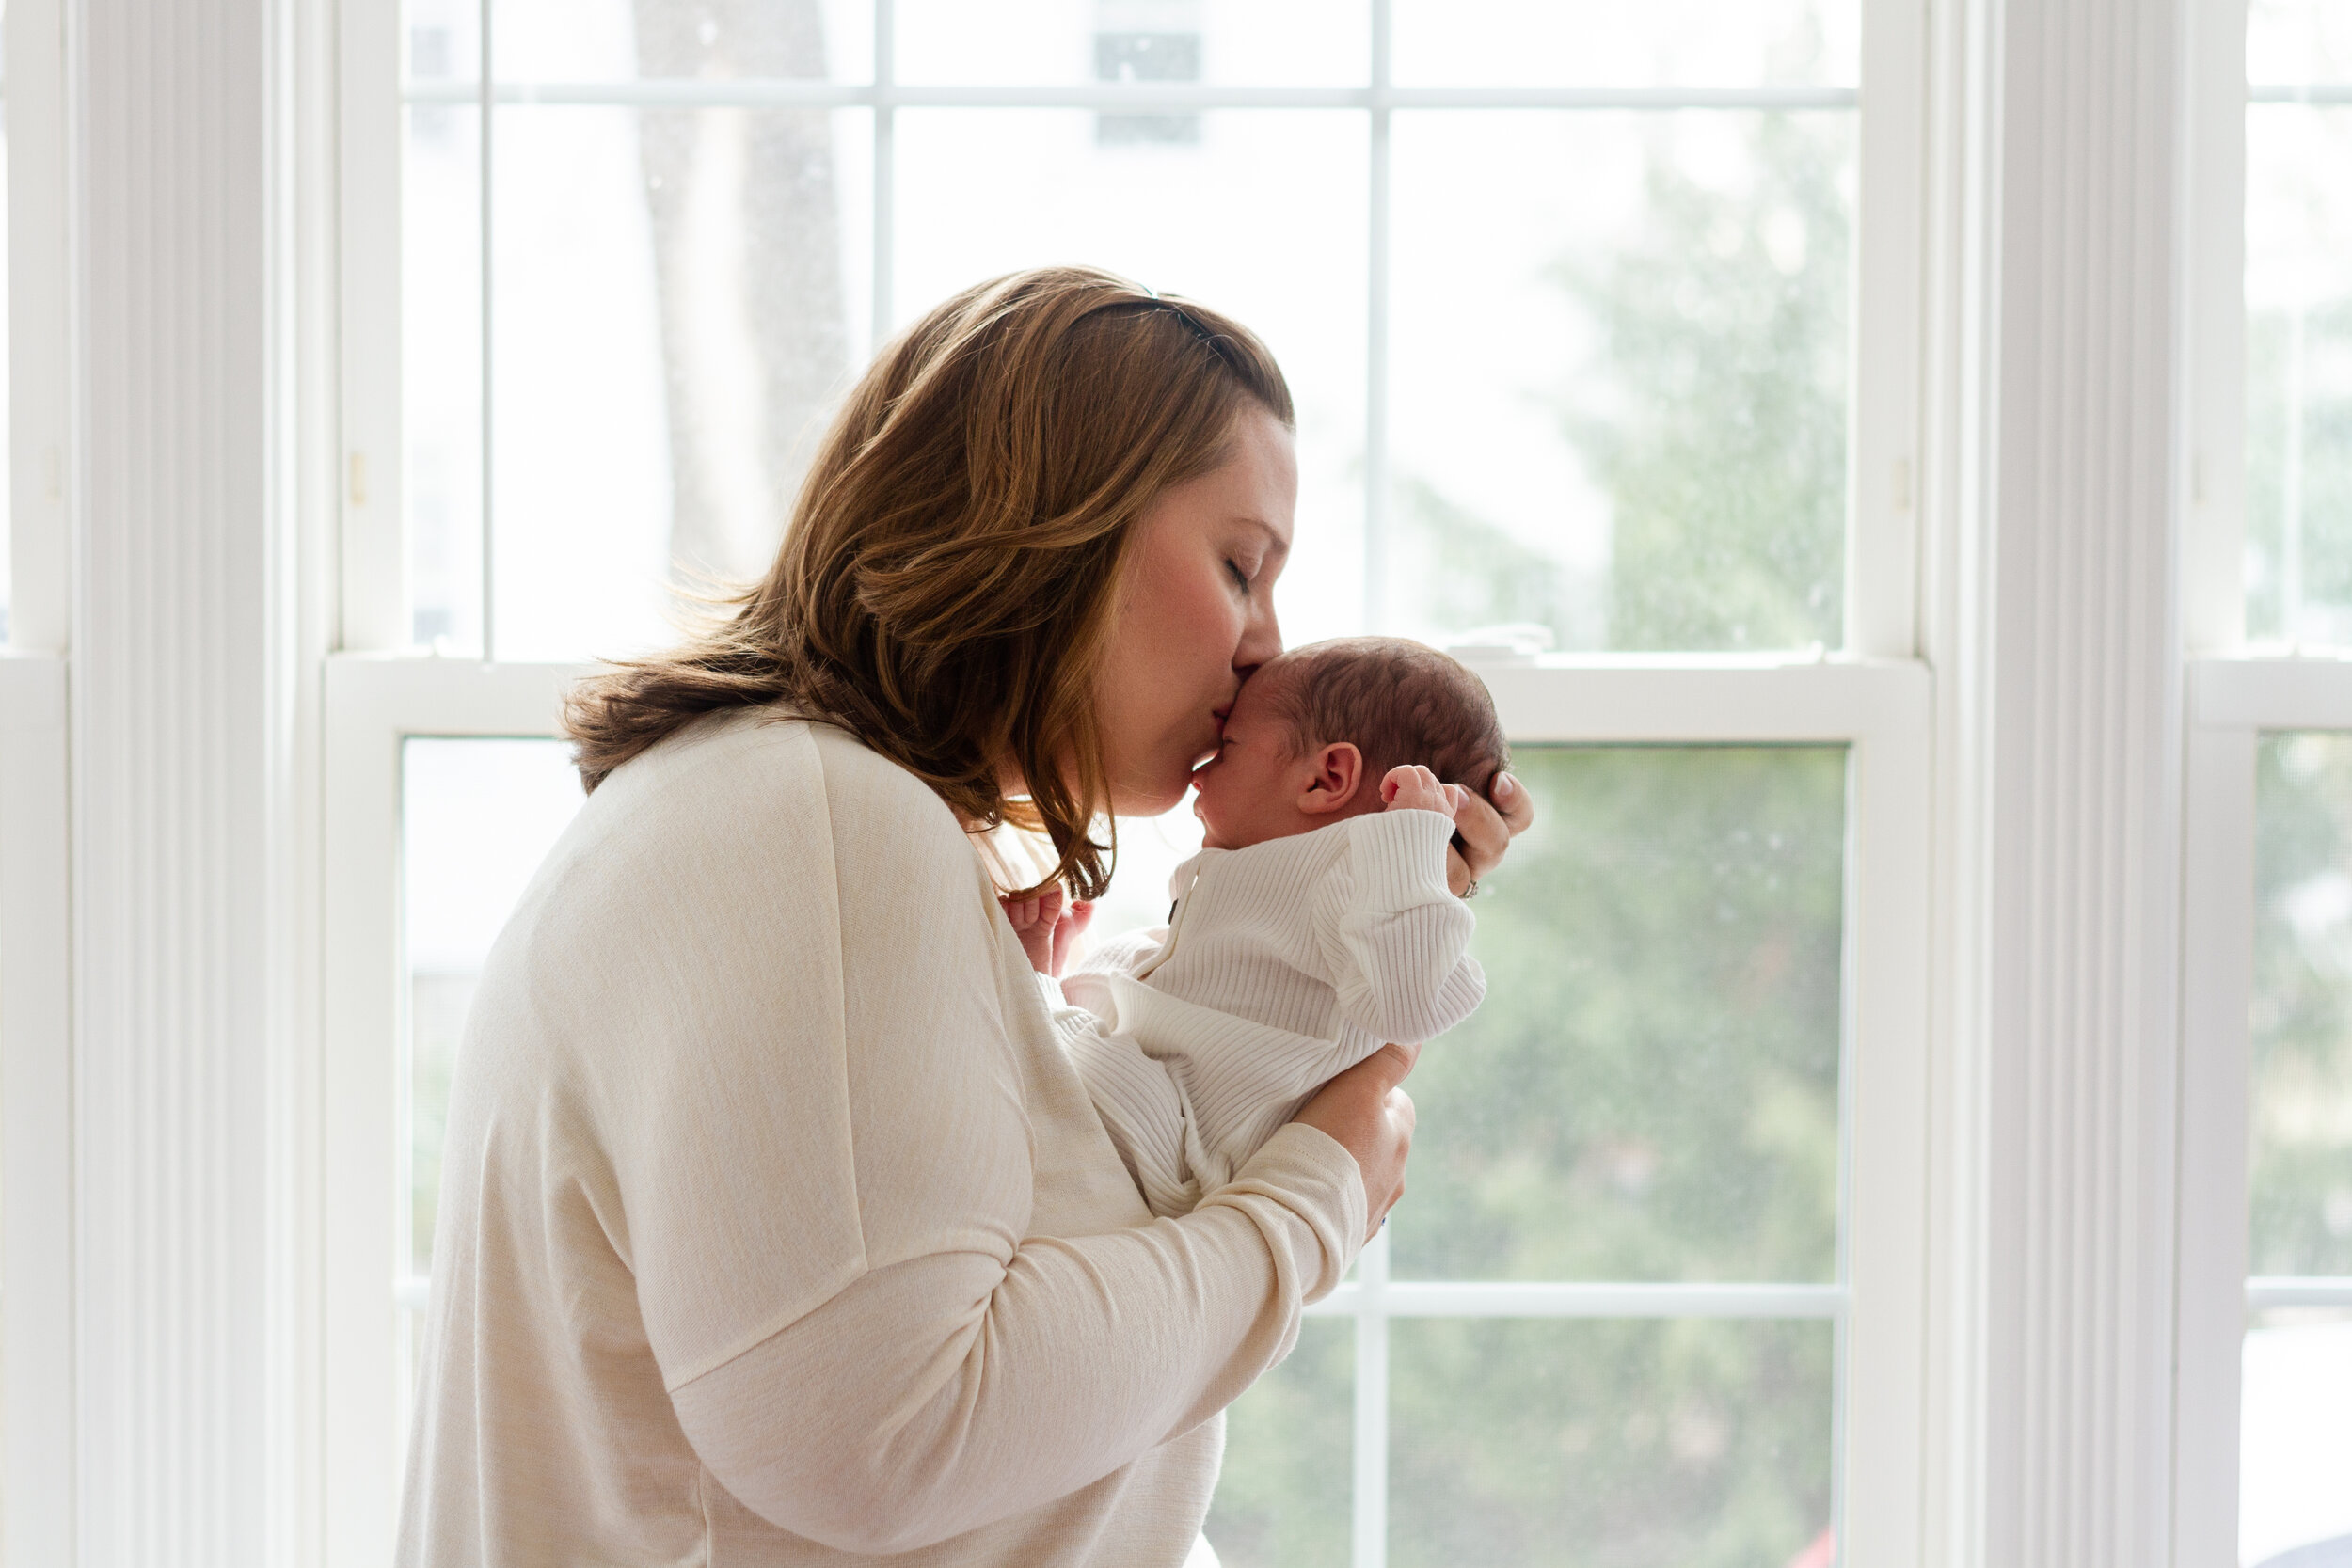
(1397, 858)
(1318, 1181)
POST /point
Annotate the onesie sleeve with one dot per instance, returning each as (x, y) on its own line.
(1394, 936)
(913, 1359)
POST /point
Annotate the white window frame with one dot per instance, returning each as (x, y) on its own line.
(37, 1238)
(1874, 697)
(2233, 698)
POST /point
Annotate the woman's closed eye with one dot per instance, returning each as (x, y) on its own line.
(1241, 579)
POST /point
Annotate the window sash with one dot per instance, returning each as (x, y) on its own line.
(1883, 403)
(1874, 700)
(1879, 711)
(2231, 702)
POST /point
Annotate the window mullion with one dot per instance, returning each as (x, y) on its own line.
(885, 230)
(1377, 338)
(485, 79)
(2217, 993)
(2213, 564)
(1371, 1515)
(1883, 399)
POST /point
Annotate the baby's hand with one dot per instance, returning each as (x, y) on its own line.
(1049, 927)
(1413, 787)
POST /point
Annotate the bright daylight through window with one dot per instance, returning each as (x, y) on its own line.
(1566, 295)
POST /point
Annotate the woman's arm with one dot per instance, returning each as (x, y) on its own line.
(873, 1221)
(952, 1389)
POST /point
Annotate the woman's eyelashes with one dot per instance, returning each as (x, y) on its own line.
(1241, 579)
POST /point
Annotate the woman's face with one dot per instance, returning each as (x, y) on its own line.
(1197, 616)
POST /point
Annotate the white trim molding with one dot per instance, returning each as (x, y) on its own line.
(2077, 697)
(190, 791)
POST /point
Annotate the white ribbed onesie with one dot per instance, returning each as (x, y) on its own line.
(1282, 964)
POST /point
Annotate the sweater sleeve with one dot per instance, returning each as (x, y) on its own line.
(958, 1357)
(957, 1387)
(1394, 935)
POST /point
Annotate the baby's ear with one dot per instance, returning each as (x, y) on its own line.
(1339, 777)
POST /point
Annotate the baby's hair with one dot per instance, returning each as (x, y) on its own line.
(1397, 701)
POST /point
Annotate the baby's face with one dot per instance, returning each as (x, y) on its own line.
(1249, 791)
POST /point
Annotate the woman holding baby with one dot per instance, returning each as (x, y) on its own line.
(778, 1226)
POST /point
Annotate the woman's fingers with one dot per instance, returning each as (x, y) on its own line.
(1485, 828)
(1511, 800)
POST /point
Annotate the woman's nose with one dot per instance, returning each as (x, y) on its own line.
(1261, 639)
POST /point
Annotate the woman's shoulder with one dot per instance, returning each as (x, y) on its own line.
(789, 762)
(763, 775)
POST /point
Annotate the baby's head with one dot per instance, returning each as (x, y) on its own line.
(1314, 731)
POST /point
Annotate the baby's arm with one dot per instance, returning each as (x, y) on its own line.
(1396, 937)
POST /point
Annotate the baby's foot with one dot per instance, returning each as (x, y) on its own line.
(1033, 921)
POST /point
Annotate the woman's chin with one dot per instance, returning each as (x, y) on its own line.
(1154, 800)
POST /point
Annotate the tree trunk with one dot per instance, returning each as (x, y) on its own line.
(747, 253)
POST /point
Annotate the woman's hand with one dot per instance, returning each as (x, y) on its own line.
(1484, 829)
(1373, 1119)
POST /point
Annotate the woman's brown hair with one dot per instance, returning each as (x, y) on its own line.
(949, 575)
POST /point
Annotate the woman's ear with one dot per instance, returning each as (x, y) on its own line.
(1339, 769)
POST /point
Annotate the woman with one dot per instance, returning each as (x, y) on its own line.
(773, 1227)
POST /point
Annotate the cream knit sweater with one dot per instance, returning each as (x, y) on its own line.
(1282, 964)
(776, 1229)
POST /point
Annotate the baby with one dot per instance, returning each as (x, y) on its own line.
(1315, 926)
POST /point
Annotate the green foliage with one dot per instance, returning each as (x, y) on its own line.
(2326, 471)
(1284, 1493)
(1720, 431)
(1651, 1089)
(1649, 1092)
(1608, 1444)
(2301, 1155)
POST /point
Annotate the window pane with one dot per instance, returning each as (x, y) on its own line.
(477, 818)
(1633, 1444)
(2298, 41)
(610, 41)
(2298, 369)
(1650, 1090)
(1030, 42)
(1619, 378)
(1593, 44)
(2296, 1440)
(681, 297)
(1282, 1498)
(440, 325)
(2300, 1139)
(1261, 214)
(604, 41)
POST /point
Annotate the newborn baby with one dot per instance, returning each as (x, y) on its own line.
(1316, 926)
